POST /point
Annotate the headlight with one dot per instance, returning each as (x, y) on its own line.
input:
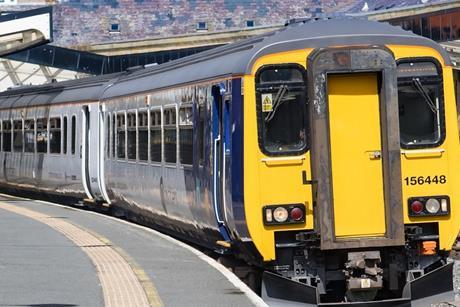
(432, 205)
(280, 214)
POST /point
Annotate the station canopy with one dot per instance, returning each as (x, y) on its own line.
(23, 30)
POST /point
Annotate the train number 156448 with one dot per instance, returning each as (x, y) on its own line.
(421, 180)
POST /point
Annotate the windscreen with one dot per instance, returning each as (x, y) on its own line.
(420, 104)
(282, 110)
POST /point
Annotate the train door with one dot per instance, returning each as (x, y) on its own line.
(93, 140)
(355, 147)
(221, 146)
(355, 142)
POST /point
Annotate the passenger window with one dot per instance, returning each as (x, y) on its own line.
(74, 130)
(282, 108)
(143, 135)
(55, 135)
(29, 135)
(65, 136)
(170, 136)
(421, 105)
(186, 135)
(17, 136)
(6, 135)
(42, 135)
(121, 136)
(132, 136)
(155, 136)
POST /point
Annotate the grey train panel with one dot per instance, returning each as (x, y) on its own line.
(57, 173)
(160, 189)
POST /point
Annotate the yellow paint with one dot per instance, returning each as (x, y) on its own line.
(279, 182)
(357, 178)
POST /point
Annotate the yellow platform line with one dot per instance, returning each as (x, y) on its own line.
(124, 283)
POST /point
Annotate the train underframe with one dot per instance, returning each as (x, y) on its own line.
(416, 274)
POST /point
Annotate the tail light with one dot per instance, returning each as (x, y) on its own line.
(428, 248)
(284, 214)
(429, 206)
(416, 206)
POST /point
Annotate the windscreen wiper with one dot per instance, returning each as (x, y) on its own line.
(277, 101)
(419, 87)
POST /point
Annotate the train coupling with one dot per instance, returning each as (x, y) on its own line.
(363, 274)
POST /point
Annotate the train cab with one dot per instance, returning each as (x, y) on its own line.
(351, 143)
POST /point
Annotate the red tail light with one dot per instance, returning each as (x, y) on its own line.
(416, 206)
(296, 214)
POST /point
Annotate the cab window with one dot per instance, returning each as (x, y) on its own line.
(282, 109)
(421, 103)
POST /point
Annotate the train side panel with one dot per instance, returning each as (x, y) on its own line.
(43, 167)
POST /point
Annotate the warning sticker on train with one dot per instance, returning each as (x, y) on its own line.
(267, 102)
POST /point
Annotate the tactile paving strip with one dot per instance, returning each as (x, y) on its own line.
(120, 286)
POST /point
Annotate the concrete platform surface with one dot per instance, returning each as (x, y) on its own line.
(52, 255)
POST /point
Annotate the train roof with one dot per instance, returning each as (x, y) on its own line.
(238, 58)
(233, 59)
(85, 89)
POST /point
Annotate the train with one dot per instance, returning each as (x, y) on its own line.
(324, 154)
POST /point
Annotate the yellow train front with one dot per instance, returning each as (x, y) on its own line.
(351, 151)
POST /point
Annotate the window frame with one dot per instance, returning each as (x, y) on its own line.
(113, 134)
(146, 111)
(34, 134)
(127, 113)
(259, 112)
(125, 158)
(150, 127)
(11, 135)
(55, 129)
(442, 121)
(188, 105)
(22, 135)
(163, 128)
(201, 109)
(107, 134)
(73, 134)
(64, 131)
(47, 135)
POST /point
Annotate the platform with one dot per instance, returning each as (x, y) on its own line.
(53, 255)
